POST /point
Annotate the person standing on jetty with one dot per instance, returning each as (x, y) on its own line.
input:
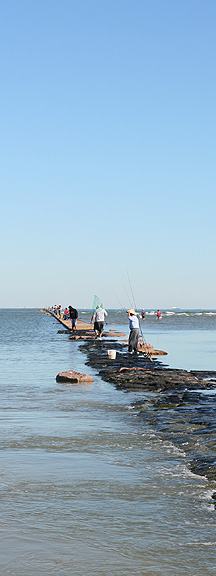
(98, 319)
(143, 314)
(73, 314)
(65, 317)
(134, 332)
(159, 315)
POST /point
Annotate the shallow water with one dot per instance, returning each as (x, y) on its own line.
(85, 487)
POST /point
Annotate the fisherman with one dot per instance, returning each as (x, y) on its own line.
(134, 332)
(98, 318)
(143, 314)
(159, 315)
(73, 314)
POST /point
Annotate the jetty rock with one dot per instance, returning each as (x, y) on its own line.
(73, 377)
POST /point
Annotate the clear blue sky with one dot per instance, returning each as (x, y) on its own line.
(108, 145)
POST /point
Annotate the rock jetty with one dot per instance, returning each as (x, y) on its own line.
(182, 409)
(85, 331)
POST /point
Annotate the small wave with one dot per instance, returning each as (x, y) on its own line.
(169, 313)
(209, 313)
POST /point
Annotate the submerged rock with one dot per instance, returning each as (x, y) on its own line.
(63, 331)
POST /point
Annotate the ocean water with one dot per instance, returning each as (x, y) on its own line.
(86, 488)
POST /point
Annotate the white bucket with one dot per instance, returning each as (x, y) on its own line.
(112, 354)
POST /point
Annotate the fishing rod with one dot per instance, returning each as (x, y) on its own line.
(135, 308)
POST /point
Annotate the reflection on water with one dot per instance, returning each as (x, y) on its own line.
(85, 487)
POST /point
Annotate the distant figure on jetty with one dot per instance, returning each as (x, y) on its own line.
(59, 310)
(159, 315)
(134, 332)
(98, 319)
(73, 314)
(65, 317)
(143, 314)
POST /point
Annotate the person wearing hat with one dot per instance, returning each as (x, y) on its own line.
(134, 332)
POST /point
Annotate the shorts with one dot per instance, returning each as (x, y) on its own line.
(99, 326)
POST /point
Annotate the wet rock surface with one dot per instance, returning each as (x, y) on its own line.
(179, 405)
(188, 420)
(73, 377)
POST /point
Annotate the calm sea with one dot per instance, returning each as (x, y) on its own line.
(86, 487)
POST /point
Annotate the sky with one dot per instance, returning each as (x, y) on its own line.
(108, 145)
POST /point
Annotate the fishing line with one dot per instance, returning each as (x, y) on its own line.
(131, 289)
(123, 308)
(127, 296)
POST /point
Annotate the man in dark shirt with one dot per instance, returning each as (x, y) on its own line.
(73, 316)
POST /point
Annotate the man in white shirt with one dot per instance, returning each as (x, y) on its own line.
(134, 332)
(98, 318)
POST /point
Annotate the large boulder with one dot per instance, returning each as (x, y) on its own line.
(73, 377)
